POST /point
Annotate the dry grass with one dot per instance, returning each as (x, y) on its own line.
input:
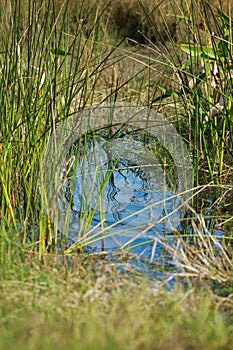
(140, 19)
(83, 308)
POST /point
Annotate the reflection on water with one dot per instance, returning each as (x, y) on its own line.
(123, 184)
(110, 191)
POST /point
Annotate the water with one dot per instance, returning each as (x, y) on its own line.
(123, 184)
(119, 190)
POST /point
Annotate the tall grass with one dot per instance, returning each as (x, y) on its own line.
(196, 91)
(54, 64)
(202, 78)
(56, 59)
(46, 74)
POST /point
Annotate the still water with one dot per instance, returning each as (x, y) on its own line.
(117, 178)
(118, 198)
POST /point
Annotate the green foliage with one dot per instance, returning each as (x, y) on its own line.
(205, 84)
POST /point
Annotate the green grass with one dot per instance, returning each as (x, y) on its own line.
(197, 68)
(77, 308)
(57, 58)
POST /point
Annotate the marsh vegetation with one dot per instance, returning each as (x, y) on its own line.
(58, 59)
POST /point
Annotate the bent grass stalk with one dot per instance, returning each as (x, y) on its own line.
(82, 241)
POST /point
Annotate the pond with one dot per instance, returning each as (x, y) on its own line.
(116, 179)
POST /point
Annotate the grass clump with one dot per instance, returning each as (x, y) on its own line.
(47, 74)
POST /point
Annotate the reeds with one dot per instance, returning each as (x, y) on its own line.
(46, 75)
(53, 65)
(56, 59)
